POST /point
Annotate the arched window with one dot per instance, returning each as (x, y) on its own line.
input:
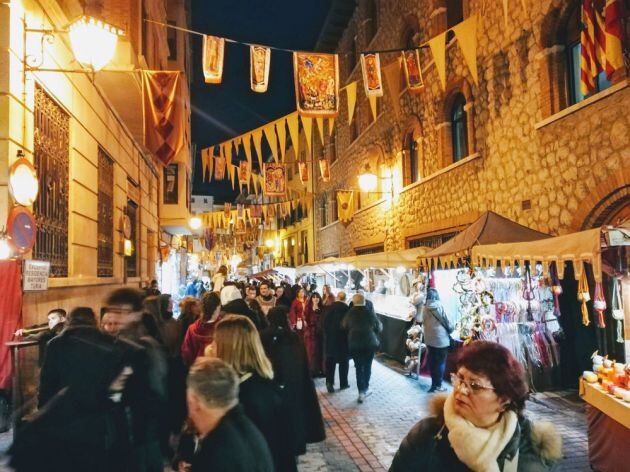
(411, 159)
(454, 12)
(574, 51)
(459, 128)
(371, 20)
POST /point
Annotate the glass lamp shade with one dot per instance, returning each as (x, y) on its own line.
(93, 41)
(23, 182)
(367, 182)
(195, 223)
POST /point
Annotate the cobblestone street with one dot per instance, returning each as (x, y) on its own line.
(366, 436)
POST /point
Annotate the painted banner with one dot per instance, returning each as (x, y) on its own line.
(316, 84)
(213, 54)
(227, 208)
(163, 114)
(259, 59)
(244, 173)
(219, 168)
(324, 169)
(372, 80)
(303, 168)
(413, 71)
(275, 179)
(345, 205)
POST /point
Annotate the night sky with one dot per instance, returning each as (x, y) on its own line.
(222, 111)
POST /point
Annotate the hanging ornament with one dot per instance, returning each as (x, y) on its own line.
(599, 304)
(617, 310)
(584, 296)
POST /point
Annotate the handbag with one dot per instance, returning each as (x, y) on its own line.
(452, 344)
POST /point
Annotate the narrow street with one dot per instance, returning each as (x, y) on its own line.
(365, 437)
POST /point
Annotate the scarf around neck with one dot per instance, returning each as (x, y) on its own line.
(479, 448)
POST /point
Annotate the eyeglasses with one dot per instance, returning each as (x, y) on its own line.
(475, 387)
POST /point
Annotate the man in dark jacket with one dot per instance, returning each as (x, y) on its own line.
(229, 440)
(336, 343)
(237, 306)
(363, 327)
(56, 324)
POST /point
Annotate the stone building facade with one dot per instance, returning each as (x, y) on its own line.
(518, 143)
(84, 132)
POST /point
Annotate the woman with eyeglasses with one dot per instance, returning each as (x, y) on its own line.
(480, 425)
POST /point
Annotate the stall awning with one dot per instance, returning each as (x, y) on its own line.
(408, 258)
(489, 228)
(578, 248)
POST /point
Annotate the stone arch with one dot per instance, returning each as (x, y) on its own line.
(606, 200)
(410, 30)
(455, 88)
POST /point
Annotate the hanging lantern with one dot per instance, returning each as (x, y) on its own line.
(93, 41)
(23, 182)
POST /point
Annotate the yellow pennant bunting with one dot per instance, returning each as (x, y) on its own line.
(307, 125)
(294, 131)
(438, 49)
(466, 35)
(282, 136)
(210, 167)
(264, 212)
(270, 134)
(331, 125)
(320, 128)
(392, 76)
(247, 146)
(228, 150)
(232, 176)
(372, 99)
(204, 164)
(257, 137)
(351, 91)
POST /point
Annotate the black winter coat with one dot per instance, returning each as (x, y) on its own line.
(240, 307)
(287, 354)
(263, 403)
(335, 338)
(363, 327)
(235, 445)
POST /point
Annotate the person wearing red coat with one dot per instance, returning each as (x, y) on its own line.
(201, 332)
(313, 338)
(297, 318)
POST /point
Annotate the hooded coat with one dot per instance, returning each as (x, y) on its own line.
(427, 447)
(199, 335)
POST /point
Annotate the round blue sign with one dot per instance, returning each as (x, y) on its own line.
(22, 229)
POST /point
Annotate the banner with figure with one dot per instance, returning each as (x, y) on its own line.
(219, 168)
(213, 54)
(372, 80)
(244, 173)
(275, 182)
(316, 84)
(345, 205)
(259, 59)
(324, 169)
(413, 71)
(163, 114)
(303, 169)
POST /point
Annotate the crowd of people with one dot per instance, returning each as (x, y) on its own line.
(228, 385)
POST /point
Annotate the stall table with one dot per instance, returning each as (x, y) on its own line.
(608, 429)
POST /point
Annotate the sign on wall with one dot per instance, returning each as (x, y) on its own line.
(35, 276)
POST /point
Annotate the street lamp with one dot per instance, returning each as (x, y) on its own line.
(93, 41)
(23, 181)
(368, 181)
(195, 223)
(270, 243)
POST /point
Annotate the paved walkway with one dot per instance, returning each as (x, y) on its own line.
(366, 436)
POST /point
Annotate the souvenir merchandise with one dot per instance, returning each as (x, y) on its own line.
(213, 54)
(316, 84)
(259, 58)
(372, 80)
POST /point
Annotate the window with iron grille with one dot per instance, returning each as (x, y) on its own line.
(131, 262)
(51, 145)
(430, 241)
(105, 265)
(370, 250)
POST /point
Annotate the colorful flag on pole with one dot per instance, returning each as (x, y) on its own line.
(259, 58)
(163, 114)
(213, 54)
(590, 65)
(613, 30)
(413, 71)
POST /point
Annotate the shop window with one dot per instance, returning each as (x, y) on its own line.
(131, 262)
(573, 60)
(105, 223)
(454, 12)
(371, 21)
(459, 128)
(171, 39)
(51, 159)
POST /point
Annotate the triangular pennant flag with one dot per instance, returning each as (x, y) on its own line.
(255, 183)
(294, 131)
(228, 150)
(210, 164)
(282, 136)
(438, 49)
(247, 146)
(372, 100)
(257, 137)
(307, 125)
(270, 134)
(320, 128)
(232, 176)
(466, 35)
(351, 91)
(331, 126)
(204, 164)
(264, 212)
(392, 76)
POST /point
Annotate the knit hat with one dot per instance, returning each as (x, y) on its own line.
(229, 293)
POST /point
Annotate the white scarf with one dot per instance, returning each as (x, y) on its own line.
(479, 448)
